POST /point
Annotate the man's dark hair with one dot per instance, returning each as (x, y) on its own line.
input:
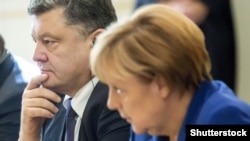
(1, 44)
(89, 15)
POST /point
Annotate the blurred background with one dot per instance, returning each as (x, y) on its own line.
(15, 28)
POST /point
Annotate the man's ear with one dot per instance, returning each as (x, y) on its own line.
(94, 34)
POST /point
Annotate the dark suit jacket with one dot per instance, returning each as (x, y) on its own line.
(219, 32)
(98, 123)
(12, 84)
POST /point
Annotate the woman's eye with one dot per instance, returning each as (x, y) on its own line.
(117, 90)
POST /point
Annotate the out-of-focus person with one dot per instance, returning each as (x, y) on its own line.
(215, 19)
(15, 72)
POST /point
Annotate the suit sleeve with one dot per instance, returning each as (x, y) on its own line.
(112, 127)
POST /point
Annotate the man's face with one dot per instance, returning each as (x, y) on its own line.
(61, 52)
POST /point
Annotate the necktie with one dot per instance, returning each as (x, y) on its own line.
(70, 122)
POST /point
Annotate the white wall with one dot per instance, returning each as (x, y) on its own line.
(242, 21)
(15, 24)
(15, 27)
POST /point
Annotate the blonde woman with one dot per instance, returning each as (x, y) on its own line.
(158, 72)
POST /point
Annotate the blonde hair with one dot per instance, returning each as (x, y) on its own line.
(155, 41)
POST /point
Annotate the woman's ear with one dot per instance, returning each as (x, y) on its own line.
(162, 86)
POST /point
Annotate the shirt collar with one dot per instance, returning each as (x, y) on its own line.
(79, 101)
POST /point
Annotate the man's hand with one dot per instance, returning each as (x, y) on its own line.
(37, 105)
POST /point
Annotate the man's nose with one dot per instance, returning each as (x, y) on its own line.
(39, 54)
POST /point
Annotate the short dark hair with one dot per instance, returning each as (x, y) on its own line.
(1, 44)
(88, 14)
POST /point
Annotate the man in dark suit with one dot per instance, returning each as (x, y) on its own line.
(64, 33)
(215, 18)
(15, 73)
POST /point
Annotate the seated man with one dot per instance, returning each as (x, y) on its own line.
(15, 72)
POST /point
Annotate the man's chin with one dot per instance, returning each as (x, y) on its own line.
(52, 89)
(49, 86)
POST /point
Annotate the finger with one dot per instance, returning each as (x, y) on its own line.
(37, 112)
(42, 93)
(38, 107)
(36, 81)
(40, 103)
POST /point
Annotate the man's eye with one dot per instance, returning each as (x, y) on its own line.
(48, 42)
(34, 40)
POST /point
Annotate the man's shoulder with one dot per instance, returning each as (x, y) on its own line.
(98, 98)
(100, 93)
